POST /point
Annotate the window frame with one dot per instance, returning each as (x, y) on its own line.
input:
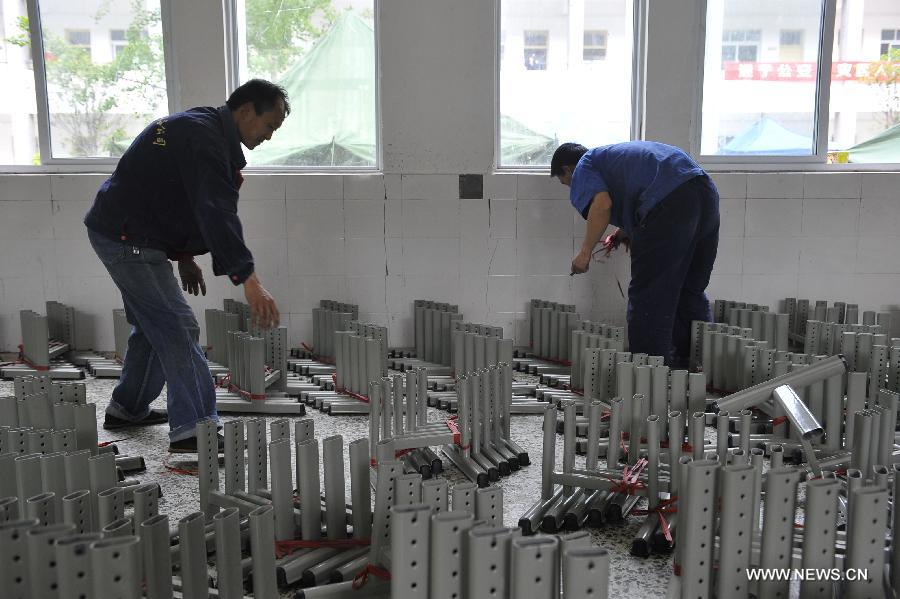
(820, 109)
(526, 47)
(638, 60)
(233, 43)
(605, 47)
(98, 164)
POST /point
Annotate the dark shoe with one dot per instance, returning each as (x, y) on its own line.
(154, 417)
(189, 445)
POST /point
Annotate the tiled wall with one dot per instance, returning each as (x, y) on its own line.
(384, 240)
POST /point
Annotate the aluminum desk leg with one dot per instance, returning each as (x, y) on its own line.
(257, 458)
(586, 573)
(73, 558)
(157, 557)
(262, 548)
(697, 392)
(410, 555)
(309, 486)
(676, 440)
(28, 478)
(78, 470)
(435, 494)
(856, 402)
(110, 506)
(447, 533)
(865, 541)
(722, 423)
(696, 426)
(334, 481)
(736, 525)
(895, 535)
(464, 497)
(41, 507)
(192, 545)
(696, 532)
(360, 488)
(228, 554)
(487, 563)
(9, 509)
(77, 511)
(43, 574)
(282, 489)
(489, 505)
(617, 414)
(115, 568)
(53, 478)
(534, 568)
(778, 528)
(819, 535)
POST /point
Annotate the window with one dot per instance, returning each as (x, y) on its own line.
(594, 45)
(580, 92)
(18, 129)
(536, 50)
(864, 106)
(323, 53)
(117, 41)
(759, 101)
(790, 46)
(741, 45)
(890, 38)
(96, 101)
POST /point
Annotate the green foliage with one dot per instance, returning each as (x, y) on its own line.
(884, 76)
(280, 31)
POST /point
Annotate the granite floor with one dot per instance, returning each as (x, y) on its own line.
(630, 576)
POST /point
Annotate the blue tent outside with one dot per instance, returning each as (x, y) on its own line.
(767, 137)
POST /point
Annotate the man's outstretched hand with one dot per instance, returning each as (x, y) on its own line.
(581, 262)
(191, 277)
(263, 311)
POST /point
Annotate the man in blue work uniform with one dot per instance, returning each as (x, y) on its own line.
(666, 209)
(174, 196)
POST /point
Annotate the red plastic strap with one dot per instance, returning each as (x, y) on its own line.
(107, 443)
(629, 484)
(283, 548)
(177, 470)
(552, 361)
(397, 454)
(663, 507)
(454, 428)
(308, 348)
(226, 383)
(23, 360)
(360, 580)
(779, 420)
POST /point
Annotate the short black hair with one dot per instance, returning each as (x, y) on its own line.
(568, 154)
(264, 95)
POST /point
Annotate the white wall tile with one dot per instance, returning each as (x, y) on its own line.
(540, 187)
(263, 219)
(26, 219)
(730, 185)
(724, 286)
(768, 289)
(306, 291)
(775, 185)
(501, 294)
(68, 219)
(500, 186)
(474, 219)
(364, 187)
(364, 218)
(314, 187)
(884, 186)
(429, 187)
(555, 288)
(438, 258)
(300, 330)
(773, 255)
(544, 255)
(315, 218)
(880, 291)
(24, 187)
(76, 257)
(393, 218)
(831, 185)
(315, 256)
(878, 255)
(263, 187)
(474, 256)
(730, 256)
(431, 218)
(365, 256)
(879, 216)
(732, 214)
(473, 294)
(835, 287)
(368, 292)
(393, 186)
(543, 218)
(819, 255)
(65, 188)
(394, 255)
(428, 286)
(830, 217)
(773, 218)
(502, 258)
(503, 218)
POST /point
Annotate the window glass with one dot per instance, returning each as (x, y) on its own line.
(565, 75)
(18, 120)
(101, 95)
(864, 119)
(759, 84)
(323, 53)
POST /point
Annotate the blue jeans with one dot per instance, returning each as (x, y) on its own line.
(164, 345)
(673, 250)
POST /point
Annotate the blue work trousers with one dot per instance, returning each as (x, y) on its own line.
(164, 345)
(673, 251)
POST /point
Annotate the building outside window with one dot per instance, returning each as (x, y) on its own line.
(536, 43)
(790, 45)
(741, 45)
(117, 41)
(890, 38)
(595, 45)
(79, 38)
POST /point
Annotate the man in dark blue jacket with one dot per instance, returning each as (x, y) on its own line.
(174, 196)
(666, 209)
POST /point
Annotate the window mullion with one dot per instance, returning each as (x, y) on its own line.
(824, 79)
(40, 79)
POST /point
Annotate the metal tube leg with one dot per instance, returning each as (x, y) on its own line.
(115, 568)
(262, 548)
(410, 558)
(335, 502)
(819, 535)
(534, 567)
(360, 489)
(228, 554)
(73, 559)
(309, 485)
(192, 553)
(157, 557)
(282, 489)
(586, 573)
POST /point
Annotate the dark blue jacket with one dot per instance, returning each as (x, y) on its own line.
(176, 189)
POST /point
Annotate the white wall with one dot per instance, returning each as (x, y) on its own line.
(383, 240)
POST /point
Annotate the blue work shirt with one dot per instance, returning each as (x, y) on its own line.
(636, 174)
(176, 189)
